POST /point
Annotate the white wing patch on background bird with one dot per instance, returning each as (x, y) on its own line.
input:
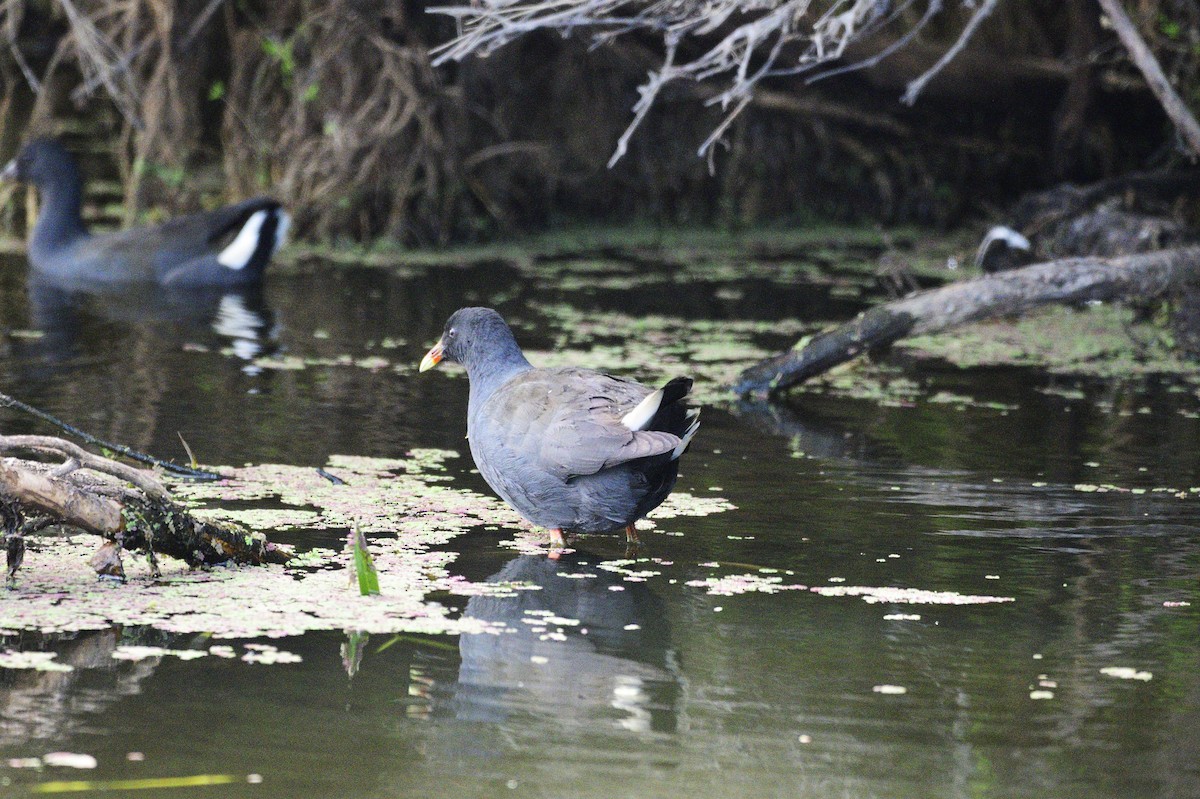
(241, 249)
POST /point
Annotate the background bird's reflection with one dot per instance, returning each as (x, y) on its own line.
(583, 646)
(63, 313)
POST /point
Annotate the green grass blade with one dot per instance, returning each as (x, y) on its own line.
(368, 578)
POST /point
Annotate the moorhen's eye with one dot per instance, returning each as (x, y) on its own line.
(451, 333)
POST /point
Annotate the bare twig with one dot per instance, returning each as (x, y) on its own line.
(198, 24)
(648, 93)
(918, 84)
(13, 11)
(102, 61)
(756, 40)
(173, 468)
(934, 7)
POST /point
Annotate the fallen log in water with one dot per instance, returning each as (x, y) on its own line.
(1003, 294)
(130, 508)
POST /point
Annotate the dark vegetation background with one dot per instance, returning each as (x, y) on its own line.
(333, 106)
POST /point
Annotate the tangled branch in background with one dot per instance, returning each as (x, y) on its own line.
(355, 136)
(355, 140)
(371, 140)
(145, 56)
(739, 42)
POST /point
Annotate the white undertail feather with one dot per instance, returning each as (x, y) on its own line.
(694, 415)
(639, 417)
(241, 249)
(1001, 233)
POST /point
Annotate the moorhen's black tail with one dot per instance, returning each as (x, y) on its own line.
(673, 415)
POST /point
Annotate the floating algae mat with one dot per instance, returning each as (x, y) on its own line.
(403, 505)
(656, 347)
(1102, 340)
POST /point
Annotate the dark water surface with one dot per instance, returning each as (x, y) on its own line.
(674, 692)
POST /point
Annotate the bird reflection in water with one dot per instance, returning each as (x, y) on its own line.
(64, 313)
(584, 646)
(245, 321)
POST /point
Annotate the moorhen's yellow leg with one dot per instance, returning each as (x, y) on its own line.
(556, 538)
(631, 536)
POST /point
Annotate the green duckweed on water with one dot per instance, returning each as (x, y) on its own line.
(406, 506)
(595, 249)
(33, 661)
(58, 594)
(907, 596)
(1127, 673)
(403, 503)
(1102, 340)
(732, 584)
(653, 348)
(649, 348)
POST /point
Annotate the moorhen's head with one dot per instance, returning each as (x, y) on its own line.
(473, 336)
(40, 162)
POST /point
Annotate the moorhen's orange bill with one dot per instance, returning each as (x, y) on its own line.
(226, 247)
(570, 449)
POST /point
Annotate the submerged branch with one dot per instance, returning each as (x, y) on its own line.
(1006, 293)
(132, 454)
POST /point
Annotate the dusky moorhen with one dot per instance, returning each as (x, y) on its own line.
(226, 247)
(570, 449)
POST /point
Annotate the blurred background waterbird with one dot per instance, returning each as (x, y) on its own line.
(229, 246)
(570, 449)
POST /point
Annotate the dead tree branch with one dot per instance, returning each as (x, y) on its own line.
(740, 44)
(1183, 119)
(81, 458)
(918, 84)
(81, 493)
(91, 512)
(1006, 293)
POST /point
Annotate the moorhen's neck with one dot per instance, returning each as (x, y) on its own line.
(59, 222)
(501, 362)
